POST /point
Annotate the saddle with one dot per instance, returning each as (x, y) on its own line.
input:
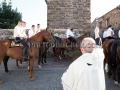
(14, 43)
(68, 42)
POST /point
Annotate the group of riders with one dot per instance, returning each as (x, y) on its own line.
(21, 36)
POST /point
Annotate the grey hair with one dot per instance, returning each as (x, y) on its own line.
(86, 39)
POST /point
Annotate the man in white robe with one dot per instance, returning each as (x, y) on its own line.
(86, 72)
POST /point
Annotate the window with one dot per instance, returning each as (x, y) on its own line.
(100, 24)
(107, 21)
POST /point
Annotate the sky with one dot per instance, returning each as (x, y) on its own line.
(35, 11)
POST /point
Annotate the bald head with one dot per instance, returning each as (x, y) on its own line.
(87, 45)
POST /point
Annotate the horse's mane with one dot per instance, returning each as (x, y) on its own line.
(38, 34)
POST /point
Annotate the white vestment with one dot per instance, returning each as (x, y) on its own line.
(86, 72)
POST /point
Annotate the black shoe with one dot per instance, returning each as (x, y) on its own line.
(25, 58)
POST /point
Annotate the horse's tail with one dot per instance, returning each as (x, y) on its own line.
(114, 54)
(109, 55)
(53, 49)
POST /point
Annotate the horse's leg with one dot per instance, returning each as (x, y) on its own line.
(114, 76)
(17, 63)
(20, 63)
(39, 58)
(31, 68)
(106, 62)
(42, 59)
(54, 53)
(45, 57)
(5, 60)
(119, 77)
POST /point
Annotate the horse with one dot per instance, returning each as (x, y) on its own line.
(61, 44)
(105, 51)
(118, 63)
(34, 42)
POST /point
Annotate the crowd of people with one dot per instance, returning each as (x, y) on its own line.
(20, 35)
(86, 72)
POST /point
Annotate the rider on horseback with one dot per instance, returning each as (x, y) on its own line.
(109, 32)
(70, 36)
(21, 37)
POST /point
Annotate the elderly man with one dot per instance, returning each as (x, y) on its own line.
(86, 72)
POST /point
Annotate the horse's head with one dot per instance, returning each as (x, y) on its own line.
(48, 36)
(44, 35)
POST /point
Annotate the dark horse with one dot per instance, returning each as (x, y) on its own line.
(61, 44)
(112, 58)
(7, 51)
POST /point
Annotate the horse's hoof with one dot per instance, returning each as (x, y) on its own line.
(106, 71)
(45, 63)
(118, 84)
(7, 73)
(39, 66)
(115, 82)
(32, 78)
(0, 81)
(28, 67)
(21, 65)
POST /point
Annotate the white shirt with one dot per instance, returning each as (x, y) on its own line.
(31, 33)
(81, 76)
(17, 31)
(23, 32)
(69, 32)
(119, 33)
(104, 34)
(108, 32)
(38, 30)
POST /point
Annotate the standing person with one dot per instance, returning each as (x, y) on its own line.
(119, 34)
(38, 28)
(86, 72)
(19, 37)
(109, 32)
(104, 33)
(70, 36)
(32, 31)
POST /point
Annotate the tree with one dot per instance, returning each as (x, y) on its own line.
(8, 16)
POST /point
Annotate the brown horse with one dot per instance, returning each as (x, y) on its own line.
(62, 45)
(16, 52)
(105, 50)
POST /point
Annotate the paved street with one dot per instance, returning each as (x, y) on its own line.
(48, 78)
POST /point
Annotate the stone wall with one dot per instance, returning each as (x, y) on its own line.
(6, 34)
(62, 13)
(112, 17)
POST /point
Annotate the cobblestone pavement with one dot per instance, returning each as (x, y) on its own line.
(48, 78)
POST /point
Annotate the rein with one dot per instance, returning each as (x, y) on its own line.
(32, 40)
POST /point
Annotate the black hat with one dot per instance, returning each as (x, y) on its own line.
(110, 25)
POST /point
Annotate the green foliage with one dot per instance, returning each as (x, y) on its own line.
(76, 53)
(8, 16)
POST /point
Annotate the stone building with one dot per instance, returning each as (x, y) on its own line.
(62, 13)
(112, 17)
